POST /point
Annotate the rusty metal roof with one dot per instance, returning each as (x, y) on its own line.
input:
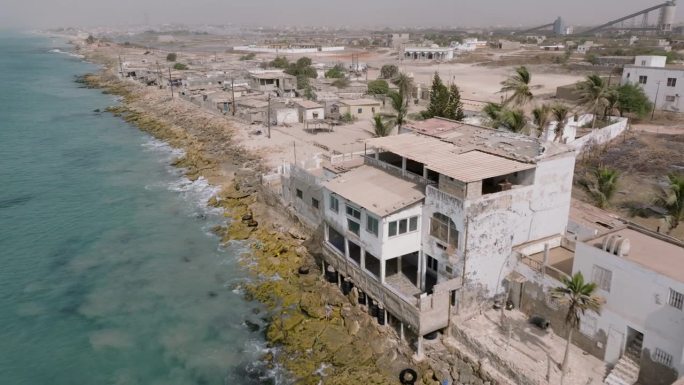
(466, 164)
(375, 190)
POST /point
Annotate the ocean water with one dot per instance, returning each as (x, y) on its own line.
(108, 271)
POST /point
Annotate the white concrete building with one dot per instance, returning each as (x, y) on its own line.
(641, 277)
(427, 225)
(310, 111)
(429, 53)
(664, 85)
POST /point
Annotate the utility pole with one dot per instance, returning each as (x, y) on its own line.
(121, 67)
(655, 101)
(269, 116)
(159, 75)
(232, 91)
(170, 83)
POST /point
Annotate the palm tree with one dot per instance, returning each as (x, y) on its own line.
(518, 85)
(601, 185)
(612, 101)
(580, 298)
(405, 84)
(540, 116)
(397, 101)
(381, 128)
(560, 112)
(493, 113)
(593, 93)
(672, 200)
(513, 120)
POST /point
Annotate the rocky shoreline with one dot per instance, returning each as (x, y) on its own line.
(324, 336)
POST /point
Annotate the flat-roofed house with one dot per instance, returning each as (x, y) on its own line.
(310, 111)
(274, 81)
(362, 109)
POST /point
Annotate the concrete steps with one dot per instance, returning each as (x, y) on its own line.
(625, 372)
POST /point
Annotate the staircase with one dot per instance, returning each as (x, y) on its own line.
(626, 371)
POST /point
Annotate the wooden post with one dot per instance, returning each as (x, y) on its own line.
(269, 116)
(170, 83)
(232, 91)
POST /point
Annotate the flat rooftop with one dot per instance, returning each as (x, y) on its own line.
(466, 164)
(375, 190)
(593, 217)
(360, 102)
(666, 258)
(308, 104)
(560, 258)
(507, 144)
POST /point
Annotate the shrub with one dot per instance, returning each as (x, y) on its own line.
(378, 87)
(180, 66)
(249, 56)
(171, 57)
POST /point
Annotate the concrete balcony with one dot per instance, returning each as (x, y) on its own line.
(423, 313)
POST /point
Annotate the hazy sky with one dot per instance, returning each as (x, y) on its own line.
(51, 13)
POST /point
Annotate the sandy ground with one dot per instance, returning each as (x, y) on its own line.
(528, 349)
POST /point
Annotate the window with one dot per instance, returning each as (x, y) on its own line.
(643, 79)
(444, 229)
(662, 357)
(403, 226)
(315, 115)
(373, 109)
(352, 212)
(432, 263)
(353, 226)
(314, 203)
(413, 223)
(588, 325)
(602, 277)
(372, 225)
(643, 63)
(360, 110)
(628, 73)
(334, 204)
(676, 299)
(671, 82)
(300, 194)
(372, 264)
(669, 98)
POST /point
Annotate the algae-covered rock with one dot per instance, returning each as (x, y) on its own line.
(312, 306)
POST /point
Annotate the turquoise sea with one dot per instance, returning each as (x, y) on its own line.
(108, 271)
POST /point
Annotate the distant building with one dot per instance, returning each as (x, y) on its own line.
(273, 81)
(663, 84)
(362, 109)
(399, 40)
(429, 53)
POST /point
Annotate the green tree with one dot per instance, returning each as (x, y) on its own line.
(280, 62)
(303, 62)
(560, 113)
(405, 84)
(341, 83)
(518, 85)
(579, 297)
(601, 185)
(439, 98)
(337, 72)
(632, 99)
(302, 82)
(309, 93)
(249, 56)
(180, 66)
(593, 92)
(513, 120)
(541, 117)
(671, 199)
(381, 127)
(454, 107)
(171, 56)
(399, 105)
(378, 87)
(90, 39)
(493, 112)
(389, 71)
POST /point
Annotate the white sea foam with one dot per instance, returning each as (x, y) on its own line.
(57, 50)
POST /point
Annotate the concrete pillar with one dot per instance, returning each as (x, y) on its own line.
(377, 154)
(382, 271)
(401, 331)
(420, 354)
(403, 163)
(546, 259)
(421, 271)
(363, 258)
(322, 268)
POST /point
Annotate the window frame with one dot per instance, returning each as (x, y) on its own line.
(670, 98)
(447, 226)
(643, 79)
(374, 230)
(300, 194)
(662, 357)
(429, 261)
(676, 299)
(671, 82)
(598, 276)
(336, 208)
(356, 229)
(315, 203)
(404, 223)
(353, 210)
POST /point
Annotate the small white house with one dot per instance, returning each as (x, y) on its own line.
(641, 277)
(664, 85)
(310, 111)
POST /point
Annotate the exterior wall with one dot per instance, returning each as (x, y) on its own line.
(287, 116)
(366, 113)
(650, 61)
(631, 74)
(309, 185)
(600, 136)
(638, 299)
(250, 48)
(308, 114)
(382, 247)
